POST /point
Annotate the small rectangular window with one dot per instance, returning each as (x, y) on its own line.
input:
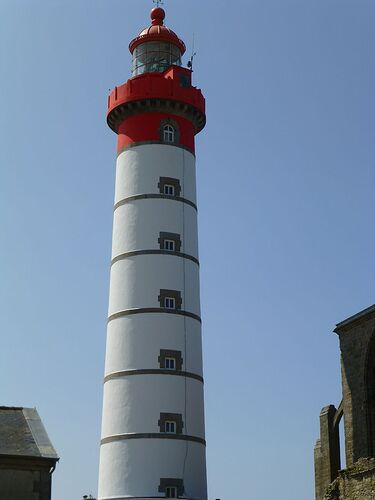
(170, 363)
(170, 427)
(169, 189)
(169, 241)
(185, 81)
(171, 487)
(170, 360)
(169, 245)
(169, 186)
(171, 492)
(170, 303)
(170, 299)
(171, 423)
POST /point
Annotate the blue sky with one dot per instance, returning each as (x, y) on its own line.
(285, 189)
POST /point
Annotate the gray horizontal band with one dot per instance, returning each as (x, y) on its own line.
(162, 143)
(147, 310)
(151, 435)
(154, 252)
(128, 373)
(154, 196)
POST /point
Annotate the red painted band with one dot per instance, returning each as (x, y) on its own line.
(149, 127)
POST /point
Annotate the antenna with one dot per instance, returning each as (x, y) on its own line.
(158, 2)
(193, 54)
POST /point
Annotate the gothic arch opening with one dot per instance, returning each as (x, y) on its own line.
(338, 425)
(370, 395)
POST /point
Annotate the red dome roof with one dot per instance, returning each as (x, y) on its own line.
(157, 32)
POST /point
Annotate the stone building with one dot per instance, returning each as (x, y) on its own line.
(27, 457)
(357, 481)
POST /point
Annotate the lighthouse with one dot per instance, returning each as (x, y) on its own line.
(153, 436)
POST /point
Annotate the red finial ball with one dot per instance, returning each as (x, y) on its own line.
(157, 15)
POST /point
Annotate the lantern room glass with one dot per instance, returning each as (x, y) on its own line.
(155, 57)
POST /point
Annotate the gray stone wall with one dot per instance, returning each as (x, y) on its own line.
(355, 483)
(327, 451)
(355, 343)
(24, 485)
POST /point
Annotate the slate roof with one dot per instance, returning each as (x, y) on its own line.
(22, 433)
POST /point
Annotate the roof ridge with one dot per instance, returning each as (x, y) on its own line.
(39, 433)
(28, 419)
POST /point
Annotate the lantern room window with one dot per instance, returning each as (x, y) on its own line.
(155, 57)
(168, 133)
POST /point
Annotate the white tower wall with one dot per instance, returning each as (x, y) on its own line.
(128, 459)
(144, 222)
(166, 394)
(127, 336)
(137, 171)
(136, 452)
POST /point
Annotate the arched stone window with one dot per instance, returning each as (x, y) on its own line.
(370, 396)
(169, 132)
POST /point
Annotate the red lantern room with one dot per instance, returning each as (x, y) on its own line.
(156, 48)
(159, 86)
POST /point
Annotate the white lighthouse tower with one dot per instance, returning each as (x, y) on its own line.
(153, 438)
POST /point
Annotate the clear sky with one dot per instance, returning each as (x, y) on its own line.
(286, 198)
